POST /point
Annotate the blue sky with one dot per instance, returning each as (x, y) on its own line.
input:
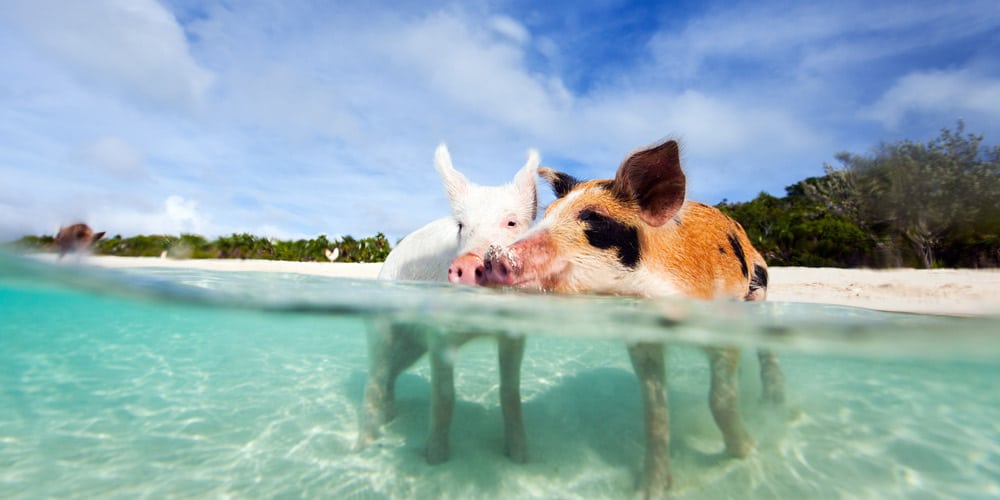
(294, 119)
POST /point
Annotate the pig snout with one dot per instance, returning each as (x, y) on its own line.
(498, 268)
(466, 269)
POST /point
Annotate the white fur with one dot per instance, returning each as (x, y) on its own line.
(638, 282)
(424, 254)
(483, 212)
(481, 216)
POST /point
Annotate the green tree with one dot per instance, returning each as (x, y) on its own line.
(32, 244)
(796, 231)
(135, 246)
(920, 195)
(374, 249)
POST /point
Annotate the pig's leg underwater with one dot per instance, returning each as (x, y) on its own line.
(724, 392)
(443, 348)
(510, 353)
(772, 381)
(392, 348)
(648, 364)
(724, 400)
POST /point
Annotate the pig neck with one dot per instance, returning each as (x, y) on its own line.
(701, 253)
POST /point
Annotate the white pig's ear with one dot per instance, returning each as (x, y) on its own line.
(524, 181)
(653, 177)
(454, 182)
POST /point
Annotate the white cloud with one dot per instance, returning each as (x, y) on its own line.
(510, 28)
(174, 216)
(448, 77)
(941, 92)
(183, 214)
(131, 46)
(716, 126)
(809, 46)
(478, 73)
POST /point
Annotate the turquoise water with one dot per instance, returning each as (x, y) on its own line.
(180, 383)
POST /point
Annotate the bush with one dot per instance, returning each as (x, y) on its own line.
(374, 249)
(234, 246)
(32, 244)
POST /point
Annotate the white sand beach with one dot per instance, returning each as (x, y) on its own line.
(938, 291)
(935, 291)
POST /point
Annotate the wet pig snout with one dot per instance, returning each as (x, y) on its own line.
(466, 269)
(497, 268)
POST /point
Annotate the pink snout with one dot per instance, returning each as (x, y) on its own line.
(466, 269)
(497, 268)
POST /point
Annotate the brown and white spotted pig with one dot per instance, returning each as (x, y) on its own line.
(75, 238)
(636, 235)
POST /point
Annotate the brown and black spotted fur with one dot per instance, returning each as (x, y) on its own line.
(636, 235)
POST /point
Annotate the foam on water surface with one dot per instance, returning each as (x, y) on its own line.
(192, 383)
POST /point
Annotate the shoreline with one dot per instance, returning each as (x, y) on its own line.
(354, 270)
(962, 292)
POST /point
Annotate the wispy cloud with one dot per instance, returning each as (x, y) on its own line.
(938, 92)
(510, 28)
(133, 47)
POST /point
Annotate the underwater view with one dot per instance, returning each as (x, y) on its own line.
(193, 383)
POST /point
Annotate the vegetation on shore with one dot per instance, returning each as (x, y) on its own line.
(905, 204)
(235, 246)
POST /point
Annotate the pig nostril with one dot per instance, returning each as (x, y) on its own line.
(459, 272)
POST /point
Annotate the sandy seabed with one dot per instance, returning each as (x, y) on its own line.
(936, 291)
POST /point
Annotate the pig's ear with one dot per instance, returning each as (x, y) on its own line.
(653, 177)
(98, 236)
(561, 183)
(454, 182)
(524, 181)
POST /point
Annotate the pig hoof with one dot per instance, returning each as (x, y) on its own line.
(517, 454)
(437, 454)
(740, 449)
(773, 388)
(656, 487)
(773, 396)
(369, 434)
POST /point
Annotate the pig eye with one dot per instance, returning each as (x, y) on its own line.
(460, 227)
(512, 223)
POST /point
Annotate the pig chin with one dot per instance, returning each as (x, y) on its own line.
(548, 280)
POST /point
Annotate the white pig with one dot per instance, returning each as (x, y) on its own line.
(451, 249)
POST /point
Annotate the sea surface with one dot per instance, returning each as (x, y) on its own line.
(163, 383)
